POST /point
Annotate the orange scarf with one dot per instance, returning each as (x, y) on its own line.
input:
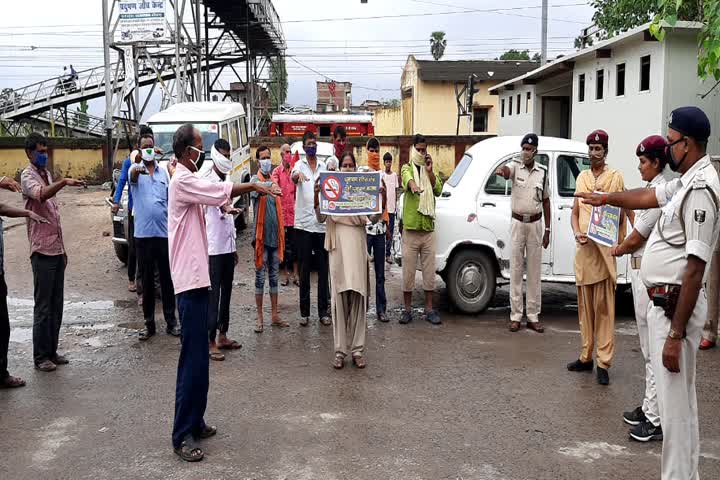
(260, 229)
(374, 164)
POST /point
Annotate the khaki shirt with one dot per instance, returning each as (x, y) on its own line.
(645, 220)
(529, 188)
(593, 262)
(665, 260)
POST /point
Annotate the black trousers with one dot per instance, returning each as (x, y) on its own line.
(132, 257)
(49, 282)
(154, 252)
(307, 243)
(222, 270)
(4, 329)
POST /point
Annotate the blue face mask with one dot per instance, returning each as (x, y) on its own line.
(310, 151)
(40, 160)
(265, 165)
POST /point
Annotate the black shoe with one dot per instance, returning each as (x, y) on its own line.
(646, 432)
(578, 366)
(636, 417)
(60, 360)
(174, 331)
(146, 333)
(433, 317)
(603, 377)
(405, 317)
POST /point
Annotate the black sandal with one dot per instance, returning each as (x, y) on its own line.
(208, 432)
(190, 451)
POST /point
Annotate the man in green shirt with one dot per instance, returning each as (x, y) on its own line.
(421, 186)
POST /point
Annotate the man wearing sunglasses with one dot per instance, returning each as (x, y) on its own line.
(674, 268)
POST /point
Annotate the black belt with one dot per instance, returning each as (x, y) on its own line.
(527, 218)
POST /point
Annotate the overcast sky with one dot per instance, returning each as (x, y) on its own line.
(369, 53)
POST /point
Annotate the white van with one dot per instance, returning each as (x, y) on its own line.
(214, 120)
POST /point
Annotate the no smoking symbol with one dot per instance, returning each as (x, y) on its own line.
(331, 188)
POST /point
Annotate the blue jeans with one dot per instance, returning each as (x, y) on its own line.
(376, 248)
(271, 264)
(391, 229)
(193, 374)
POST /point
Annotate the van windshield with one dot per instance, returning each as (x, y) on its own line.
(164, 133)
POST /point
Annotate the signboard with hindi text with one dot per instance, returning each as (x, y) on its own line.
(350, 193)
(604, 225)
(141, 21)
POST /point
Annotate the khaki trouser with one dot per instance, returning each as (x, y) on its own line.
(641, 300)
(713, 299)
(596, 312)
(676, 393)
(526, 244)
(349, 322)
(414, 243)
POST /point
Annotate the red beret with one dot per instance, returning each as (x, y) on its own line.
(598, 136)
(654, 144)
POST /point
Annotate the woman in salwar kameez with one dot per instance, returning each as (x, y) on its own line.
(349, 280)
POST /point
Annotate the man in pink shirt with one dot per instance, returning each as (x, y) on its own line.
(189, 264)
(282, 176)
(47, 252)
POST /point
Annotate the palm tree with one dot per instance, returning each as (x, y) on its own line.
(437, 44)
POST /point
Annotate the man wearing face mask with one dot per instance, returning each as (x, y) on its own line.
(149, 186)
(191, 278)
(222, 251)
(376, 234)
(673, 269)
(269, 240)
(340, 143)
(530, 203)
(281, 176)
(47, 252)
(595, 267)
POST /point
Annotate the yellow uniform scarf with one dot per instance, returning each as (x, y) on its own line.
(422, 180)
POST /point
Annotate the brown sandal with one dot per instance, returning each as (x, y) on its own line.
(338, 362)
(514, 326)
(280, 323)
(359, 361)
(190, 452)
(12, 382)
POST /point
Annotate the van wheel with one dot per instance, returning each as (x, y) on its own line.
(121, 252)
(471, 281)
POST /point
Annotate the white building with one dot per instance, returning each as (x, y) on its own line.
(627, 85)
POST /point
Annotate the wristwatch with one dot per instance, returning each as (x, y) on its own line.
(675, 335)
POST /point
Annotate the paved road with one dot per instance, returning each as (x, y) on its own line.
(466, 400)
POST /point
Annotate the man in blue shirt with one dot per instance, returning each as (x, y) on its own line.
(149, 186)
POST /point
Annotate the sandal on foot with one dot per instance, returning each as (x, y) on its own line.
(190, 452)
(208, 431)
(296, 283)
(229, 345)
(285, 282)
(217, 356)
(258, 329)
(280, 324)
(359, 361)
(12, 382)
(338, 362)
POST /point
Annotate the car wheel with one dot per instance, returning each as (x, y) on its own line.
(471, 281)
(121, 251)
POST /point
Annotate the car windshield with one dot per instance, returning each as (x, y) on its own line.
(164, 132)
(460, 170)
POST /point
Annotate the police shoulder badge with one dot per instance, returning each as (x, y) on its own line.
(700, 216)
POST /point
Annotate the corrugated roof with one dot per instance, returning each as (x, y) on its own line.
(459, 70)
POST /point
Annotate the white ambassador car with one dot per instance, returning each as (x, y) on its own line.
(472, 225)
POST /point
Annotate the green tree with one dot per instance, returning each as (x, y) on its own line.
(437, 44)
(81, 118)
(394, 103)
(278, 83)
(515, 55)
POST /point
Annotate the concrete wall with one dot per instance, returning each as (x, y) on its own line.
(628, 118)
(74, 158)
(388, 121)
(445, 150)
(517, 124)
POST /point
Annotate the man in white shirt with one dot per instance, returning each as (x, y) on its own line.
(391, 185)
(309, 233)
(222, 251)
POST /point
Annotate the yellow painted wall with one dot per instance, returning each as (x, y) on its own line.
(436, 109)
(388, 121)
(85, 164)
(13, 162)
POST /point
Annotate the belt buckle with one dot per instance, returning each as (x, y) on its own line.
(526, 218)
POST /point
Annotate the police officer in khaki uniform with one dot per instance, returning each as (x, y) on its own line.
(673, 269)
(530, 203)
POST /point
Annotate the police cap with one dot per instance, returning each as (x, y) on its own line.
(652, 146)
(530, 139)
(598, 137)
(691, 122)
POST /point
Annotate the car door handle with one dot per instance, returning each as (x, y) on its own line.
(563, 207)
(487, 204)
(445, 194)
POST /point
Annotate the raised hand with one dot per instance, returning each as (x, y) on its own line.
(10, 184)
(37, 218)
(594, 199)
(75, 183)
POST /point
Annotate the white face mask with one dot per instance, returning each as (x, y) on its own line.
(223, 164)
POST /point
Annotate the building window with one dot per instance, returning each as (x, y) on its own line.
(527, 102)
(645, 73)
(581, 87)
(518, 104)
(620, 80)
(599, 84)
(480, 119)
(502, 107)
(510, 105)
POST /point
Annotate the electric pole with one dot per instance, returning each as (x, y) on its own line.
(543, 40)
